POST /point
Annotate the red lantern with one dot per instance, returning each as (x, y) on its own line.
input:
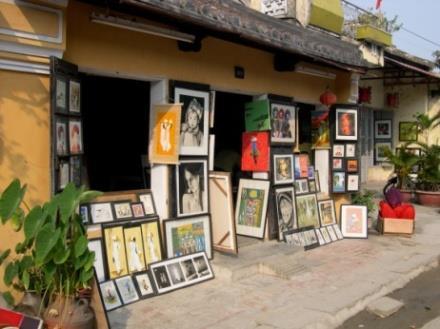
(328, 98)
(392, 100)
(364, 95)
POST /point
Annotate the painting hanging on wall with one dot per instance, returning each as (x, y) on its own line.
(408, 131)
(320, 129)
(255, 151)
(346, 124)
(61, 93)
(282, 123)
(382, 129)
(75, 137)
(61, 136)
(283, 168)
(194, 123)
(165, 142)
(380, 151)
(257, 116)
(251, 207)
(338, 182)
(285, 203)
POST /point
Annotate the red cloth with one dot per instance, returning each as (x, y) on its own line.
(405, 210)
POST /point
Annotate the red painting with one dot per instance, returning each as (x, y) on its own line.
(255, 151)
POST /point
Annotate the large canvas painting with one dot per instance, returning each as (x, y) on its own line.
(282, 123)
(164, 146)
(257, 117)
(255, 151)
(320, 129)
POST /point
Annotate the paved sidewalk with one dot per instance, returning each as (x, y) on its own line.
(270, 285)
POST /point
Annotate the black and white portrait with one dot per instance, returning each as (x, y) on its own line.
(194, 121)
(285, 209)
(192, 182)
(189, 269)
(201, 265)
(176, 273)
(161, 277)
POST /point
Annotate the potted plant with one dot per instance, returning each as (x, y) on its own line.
(53, 260)
(366, 198)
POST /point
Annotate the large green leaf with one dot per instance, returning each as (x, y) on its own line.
(20, 248)
(4, 255)
(50, 210)
(17, 219)
(89, 264)
(49, 270)
(11, 272)
(26, 263)
(11, 199)
(26, 279)
(81, 261)
(61, 256)
(46, 239)
(32, 222)
(67, 202)
(86, 276)
(80, 246)
(7, 296)
(89, 196)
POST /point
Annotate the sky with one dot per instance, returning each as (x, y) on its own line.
(419, 16)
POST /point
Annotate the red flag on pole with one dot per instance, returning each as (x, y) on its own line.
(378, 3)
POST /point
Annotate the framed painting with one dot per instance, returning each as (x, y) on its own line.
(84, 213)
(307, 210)
(320, 129)
(352, 183)
(137, 209)
(257, 116)
(380, 151)
(144, 285)
(301, 166)
(194, 125)
(301, 186)
(332, 233)
(283, 169)
(325, 235)
(338, 164)
(312, 186)
(61, 136)
(75, 170)
(310, 238)
(338, 182)
(134, 249)
(115, 251)
(318, 181)
(101, 212)
(283, 117)
(320, 237)
(122, 210)
(63, 174)
(350, 150)
(74, 97)
(75, 136)
(127, 290)
(294, 238)
(255, 151)
(192, 187)
(109, 295)
(338, 232)
(286, 214)
(221, 206)
(165, 141)
(95, 245)
(187, 236)
(346, 124)
(251, 207)
(311, 172)
(382, 129)
(151, 239)
(61, 95)
(352, 165)
(338, 150)
(354, 221)
(408, 131)
(327, 213)
(147, 200)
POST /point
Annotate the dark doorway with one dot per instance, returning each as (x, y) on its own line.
(116, 124)
(228, 128)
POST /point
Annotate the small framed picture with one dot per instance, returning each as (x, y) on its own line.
(327, 213)
(338, 182)
(134, 249)
(352, 183)
(350, 150)
(75, 170)
(148, 203)
(137, 210)
(122, 210)
(61, 136)
(84, 213)
(312, 186)
(338, 150)
(301, 166)
(346, 124)
(95, 245)
(301, 186)
(127, 290)
(282, 123)
(325, 235)
(307, 210)
(318, 181)
(311, 239)
(75, 136)
(101, 212)
(379, 151)
(332, 233)
(338, 232)
(320, 237)
(152, 241)
(110, 295)
(382, 129)
(144, 285)
(283, 168)
(311, 172)
(61, 95)
(354, 221)
(63, 174)
(352, 165)
(74, 96)
(408, 131)
(338, 164)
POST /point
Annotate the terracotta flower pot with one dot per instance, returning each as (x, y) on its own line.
(427, 198)
(407, 195)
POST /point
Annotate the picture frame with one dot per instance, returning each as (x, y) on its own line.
(307, 210)
(338, 150)
(167, 274)
(283, 169)
(84, 213)
(286, 212)
(255, 152)
(408, 131)
(147, 200)
(75, 136)
(325, 235)
(257, 116)
(61, 95)
(164, 144)
(301, 186)
(122, 210)
(188, 235)
(354, 221)
(338, 232)
(152, 241)
(320, 126)
(312, 186)
(320, 237)
(101, 212)
(283, 123)
(332, 233)
(251, 207)
(352, 165)
(137, 209)
(301, 165)
(61, 133)
(74, 97)
(350, 150)
(63, 174)
(294, 238)
(95, 245)
(327, 212)
(346, 124)
(144, 284)
(338, 164)
(310, 238)
(110, 295)
(192, 187)
(134, 248)
(379, 149)
(311, 172)
(383, 129)
(75, 170)
(338, 182)
(318, 181)
(352, 183)
(115, 252)
(221, 205)
(127, 290)
(195, 111)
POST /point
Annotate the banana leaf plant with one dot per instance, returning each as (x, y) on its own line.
(53, 257)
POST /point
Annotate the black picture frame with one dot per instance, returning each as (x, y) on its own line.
(282, 141)
(119, 217)
(108, 256)
(156, 221)
(94, 219)
(333, 212)
(103, 257)
(339, 173)
(130, 279)
(133, 206)
(341, 161)
(84, 212)
(148, 193)
(61, 125)
(140, 289)
(102, 297)
(304, 183)
(351, 170)
(403, 138)
(79, 144)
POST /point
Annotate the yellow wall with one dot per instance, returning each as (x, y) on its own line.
(434, 108)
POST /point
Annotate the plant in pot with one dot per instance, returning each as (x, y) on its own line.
(53, 260)
(366, 198)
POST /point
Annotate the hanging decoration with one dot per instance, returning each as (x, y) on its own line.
(328, 98)
(364, 95)
(392, 100)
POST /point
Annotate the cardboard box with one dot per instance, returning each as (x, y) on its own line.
(395, 226)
